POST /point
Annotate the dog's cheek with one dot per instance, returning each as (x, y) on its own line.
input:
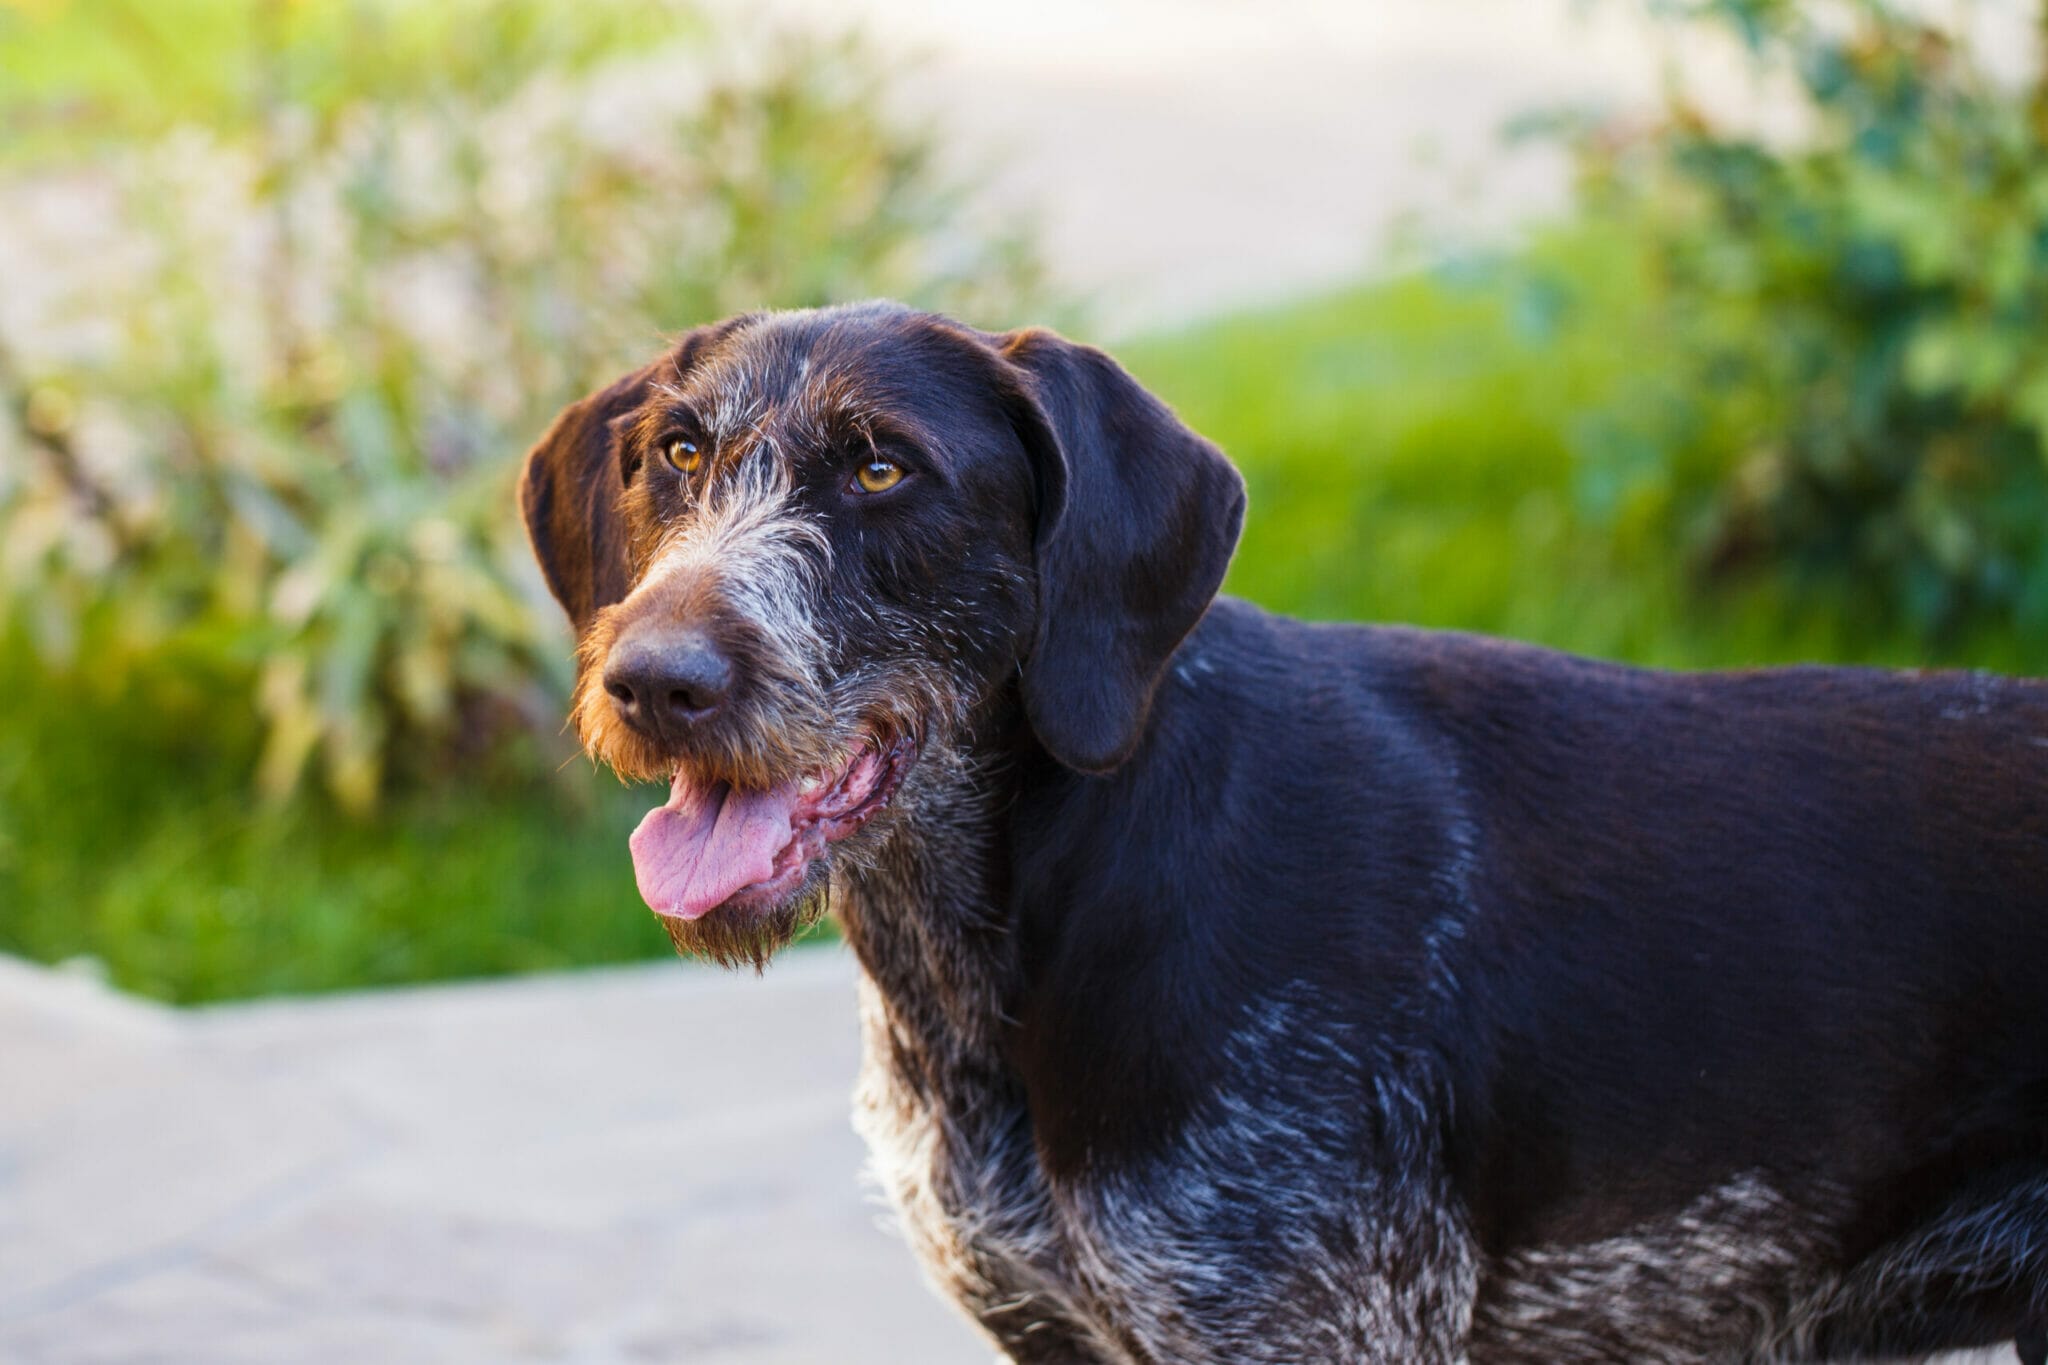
(997, 608)
(951, 591)
(997, 630)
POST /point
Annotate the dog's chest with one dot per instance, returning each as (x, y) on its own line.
(1125, 1271)
(950, 1146)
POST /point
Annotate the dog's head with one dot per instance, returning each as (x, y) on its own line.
(804, 550)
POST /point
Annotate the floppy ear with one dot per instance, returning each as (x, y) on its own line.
(577, 473)
(1138, 517)
(570, 494)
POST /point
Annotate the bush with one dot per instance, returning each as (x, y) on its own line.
(128, 845)
(1853, 387)
(345, 259)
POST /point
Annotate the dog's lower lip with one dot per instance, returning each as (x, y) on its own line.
(769, 891)
(894, 757)
(686, 853)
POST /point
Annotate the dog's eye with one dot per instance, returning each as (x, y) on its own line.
(684, 455)
(878, 476)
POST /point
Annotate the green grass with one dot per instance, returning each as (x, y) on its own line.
(1409, 449)
(128, 834)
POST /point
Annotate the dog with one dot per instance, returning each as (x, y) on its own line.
(1242, 990)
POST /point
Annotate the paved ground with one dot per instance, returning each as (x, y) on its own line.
(647, 1165)
(641, 1165)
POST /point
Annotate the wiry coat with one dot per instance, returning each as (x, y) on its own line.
(1241, 990)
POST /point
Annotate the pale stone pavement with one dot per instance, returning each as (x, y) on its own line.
(636, 1165)
(642, 1165)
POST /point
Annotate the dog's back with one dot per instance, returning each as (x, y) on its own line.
(1775, 932)
(1732, 980)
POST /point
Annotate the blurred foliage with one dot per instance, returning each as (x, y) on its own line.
(75, 74)
(128, 845)
(320, 271)
(1847, 389)
(1412, 448)
(1416, 452)
(308, 292)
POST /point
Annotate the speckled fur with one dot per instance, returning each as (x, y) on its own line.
(1229, 1249)
(1170, 1059)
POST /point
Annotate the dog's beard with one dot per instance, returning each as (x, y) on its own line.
(749, 938)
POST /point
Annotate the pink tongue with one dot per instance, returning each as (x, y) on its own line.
(692, 854)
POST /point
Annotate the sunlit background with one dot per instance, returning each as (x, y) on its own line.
(1689, 333)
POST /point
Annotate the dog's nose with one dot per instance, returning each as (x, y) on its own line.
(664, 679)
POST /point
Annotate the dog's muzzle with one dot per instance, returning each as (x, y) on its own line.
(665, 680)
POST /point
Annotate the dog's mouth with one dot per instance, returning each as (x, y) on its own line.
(714, 844)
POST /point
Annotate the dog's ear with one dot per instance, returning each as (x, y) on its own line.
(1137, 520)
(577, 473)
(570, 496)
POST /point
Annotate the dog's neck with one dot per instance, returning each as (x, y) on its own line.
(925, 915)
(928, 917)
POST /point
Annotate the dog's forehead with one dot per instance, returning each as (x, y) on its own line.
(799, 379)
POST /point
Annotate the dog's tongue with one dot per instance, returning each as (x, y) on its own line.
(692, 854)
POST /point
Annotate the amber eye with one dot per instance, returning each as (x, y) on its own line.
(684, 455)
(878, 476)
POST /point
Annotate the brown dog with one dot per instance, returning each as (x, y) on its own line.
(1238, 990)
